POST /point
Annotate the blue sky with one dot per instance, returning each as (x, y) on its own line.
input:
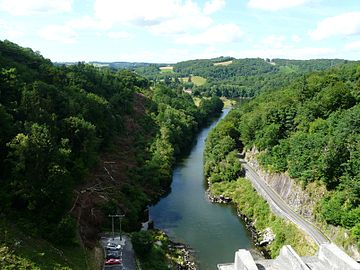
(174, 30)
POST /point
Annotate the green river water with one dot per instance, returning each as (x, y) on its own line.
(214, 231)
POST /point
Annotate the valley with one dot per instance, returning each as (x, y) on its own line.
(80, 142)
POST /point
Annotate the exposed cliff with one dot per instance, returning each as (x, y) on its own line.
(304, 201)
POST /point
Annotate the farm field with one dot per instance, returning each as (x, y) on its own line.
(197, 80)
(167, 69)
(226, 63)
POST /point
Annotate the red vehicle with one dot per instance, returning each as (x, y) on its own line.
(112, 261)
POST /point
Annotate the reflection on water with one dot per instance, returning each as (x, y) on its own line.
(185, 214)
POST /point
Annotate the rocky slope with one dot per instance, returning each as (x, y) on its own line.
(303, 201)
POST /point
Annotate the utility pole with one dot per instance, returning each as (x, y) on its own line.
(120, 219)
(112, 224)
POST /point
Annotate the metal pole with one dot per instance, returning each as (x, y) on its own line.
(120, 219)
(112, 220)
(112, 226)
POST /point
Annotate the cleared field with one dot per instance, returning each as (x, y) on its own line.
(197, 101)
(228, 103)
(167, 69)
(226, 63)
(197, 80)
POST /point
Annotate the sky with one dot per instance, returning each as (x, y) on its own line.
(169, 31)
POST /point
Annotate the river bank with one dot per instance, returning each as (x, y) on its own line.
(225, 174)
(258, 238)
(156, 251)
(268, 231)
(184, 256)
(213, 231)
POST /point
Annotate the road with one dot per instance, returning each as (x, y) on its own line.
(126, 251)
(280, 206)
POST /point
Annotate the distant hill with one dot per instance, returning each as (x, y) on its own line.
(126, 65)
(115, 65)
(248, 77)
(228, 76)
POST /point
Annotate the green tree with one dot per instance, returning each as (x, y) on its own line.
(142, 242)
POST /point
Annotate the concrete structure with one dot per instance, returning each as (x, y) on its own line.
(329, 257)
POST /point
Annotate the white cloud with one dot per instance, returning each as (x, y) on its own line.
(213, 6)
(275, 5)
(344, 24)
(353, 46)
(119, 35)
(58, 33)
(290, 53)
(87, 22)
(277, 42)
(223, 33)
(274, 46)
(273, 41)
(67, 33)
(11, 31)
(181, 24)
(135, 11)
(171, 55)
(161, 17)
(139, 56)
(296, 38)
(35, 7)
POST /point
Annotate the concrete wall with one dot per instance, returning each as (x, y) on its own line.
(336, 258)
(329, 257)
(289, 259)
(244, 260)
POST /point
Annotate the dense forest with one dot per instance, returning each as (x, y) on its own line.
(309, 129)
(57, 121)
(230, 77)
(248, 77)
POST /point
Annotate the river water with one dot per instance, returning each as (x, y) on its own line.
(214, 231)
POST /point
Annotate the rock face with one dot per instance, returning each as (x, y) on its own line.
(218, 199)
(300, 200)
(187, 261)
(267, 237)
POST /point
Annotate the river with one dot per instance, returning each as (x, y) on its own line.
(214, 231)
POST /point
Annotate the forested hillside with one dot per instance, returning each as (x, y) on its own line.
(310, 129)
(248, 77)
(230, 77)
(56, 125)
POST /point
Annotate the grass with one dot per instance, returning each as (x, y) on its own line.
(341, 237)
(251, 204)
(162, 256)
(197, 101)
(287, 69)
(228, 103)
(39, 252)
(167, 69)
(197, 80)
(226, 63)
